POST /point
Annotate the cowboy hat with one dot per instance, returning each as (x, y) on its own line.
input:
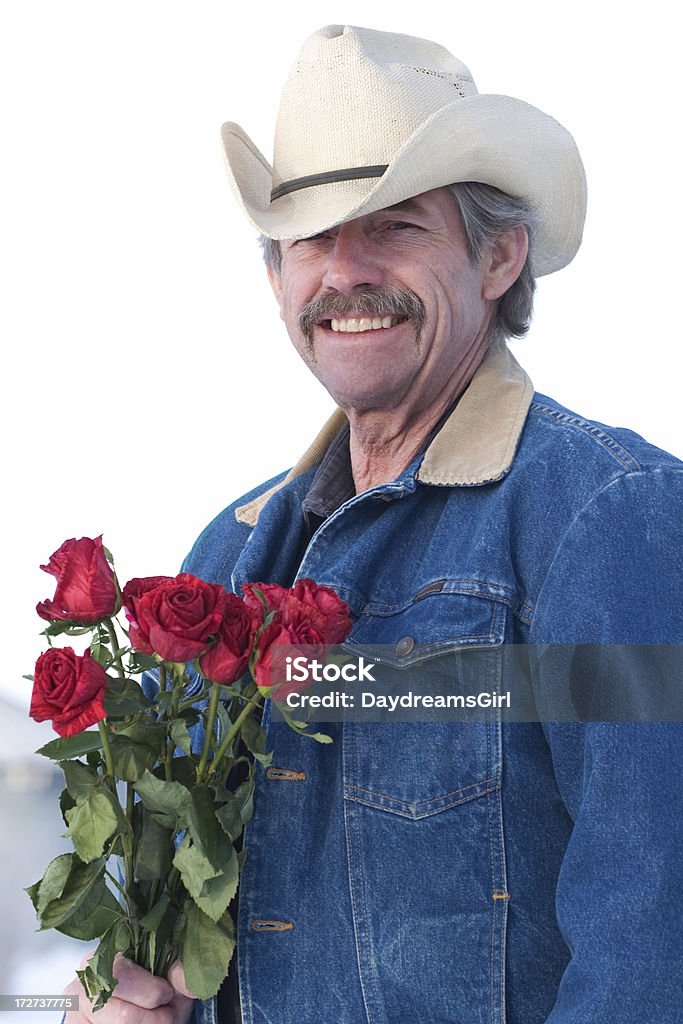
(368, 119)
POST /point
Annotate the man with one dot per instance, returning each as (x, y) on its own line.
(453, 871)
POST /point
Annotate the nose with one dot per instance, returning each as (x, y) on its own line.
(351, 263)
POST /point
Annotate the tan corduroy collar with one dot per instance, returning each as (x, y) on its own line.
(476, 444)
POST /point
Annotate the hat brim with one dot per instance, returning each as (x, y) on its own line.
(497, 140)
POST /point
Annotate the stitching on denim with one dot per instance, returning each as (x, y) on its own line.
(420, 803)
(359, 918)
(609, 443)
(467, 587)
(412, 815)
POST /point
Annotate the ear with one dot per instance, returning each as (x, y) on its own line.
(504, 261)
(275, 283)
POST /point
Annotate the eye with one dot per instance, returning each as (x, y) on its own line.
(401, 225)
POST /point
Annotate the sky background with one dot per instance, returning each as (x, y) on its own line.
(148, 380)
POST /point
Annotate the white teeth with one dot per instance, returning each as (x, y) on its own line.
(354, 325)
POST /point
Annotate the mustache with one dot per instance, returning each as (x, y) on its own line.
(374, 301)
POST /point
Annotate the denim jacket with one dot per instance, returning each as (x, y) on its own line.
(458, 872)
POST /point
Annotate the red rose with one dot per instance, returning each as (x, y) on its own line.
(69, 689)
(269, 667)
(176, 619)
(307, 616)
(86, 585)
(133, 590)
(226, 660)
(273, 593)
(335, 612)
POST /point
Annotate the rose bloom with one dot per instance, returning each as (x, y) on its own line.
(308, 617)
(177, 618)
(273, 593)
(328, 612)
(134, 589)
(227, 658)
(69, 689)
(86, 585)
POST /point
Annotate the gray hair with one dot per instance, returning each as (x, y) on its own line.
(486, 214)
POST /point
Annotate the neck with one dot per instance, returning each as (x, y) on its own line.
(383, 442)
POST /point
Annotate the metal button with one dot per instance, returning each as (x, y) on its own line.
(405, 646)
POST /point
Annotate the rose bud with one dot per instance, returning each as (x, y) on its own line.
(86, 586)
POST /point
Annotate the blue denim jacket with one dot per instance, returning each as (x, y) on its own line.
(472, 873)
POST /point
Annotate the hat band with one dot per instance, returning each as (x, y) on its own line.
(345, 174)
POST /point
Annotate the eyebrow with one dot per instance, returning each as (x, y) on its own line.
(406, 206)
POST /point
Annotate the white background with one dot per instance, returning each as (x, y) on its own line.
(147, 378)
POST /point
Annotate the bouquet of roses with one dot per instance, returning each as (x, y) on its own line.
(157, 795)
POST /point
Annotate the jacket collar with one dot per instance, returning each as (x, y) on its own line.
(476, 444)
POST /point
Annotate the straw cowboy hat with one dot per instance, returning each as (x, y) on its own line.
(368, 119)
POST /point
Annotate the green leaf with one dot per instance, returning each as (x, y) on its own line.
(97, 977)
(131, 759)
(71, 628)
(71, 746)
(254, 738)
(168, 802)
(146, 731)
(154, 852)
(216, 894)
(181, 736)
(91, 823)
(66, 802)
(82, 878)
(80, 778)
(51, 885)
(141, 663)
(100, 653)
(204, 828)
(154, 918)
(96, 914)
(124, 697)
(230, 817)
(319, 737)
(206, 951)
(237, 809)
(195, 869)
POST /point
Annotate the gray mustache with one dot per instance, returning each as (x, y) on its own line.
(375, 301)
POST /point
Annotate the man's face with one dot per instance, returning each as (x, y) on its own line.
(387, 310)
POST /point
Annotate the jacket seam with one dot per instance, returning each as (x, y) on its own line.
(610, 444)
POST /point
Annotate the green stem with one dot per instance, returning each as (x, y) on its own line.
(118, 885)
(106, 746)
(162, 677)
(249, 707)
(208, 734)
(115, 649)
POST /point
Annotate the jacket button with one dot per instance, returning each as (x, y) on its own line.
(405, 646)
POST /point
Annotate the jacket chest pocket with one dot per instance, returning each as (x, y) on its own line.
(417, 761)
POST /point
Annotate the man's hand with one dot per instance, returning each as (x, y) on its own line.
(139, 998)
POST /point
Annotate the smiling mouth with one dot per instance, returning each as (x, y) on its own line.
(358, 325)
